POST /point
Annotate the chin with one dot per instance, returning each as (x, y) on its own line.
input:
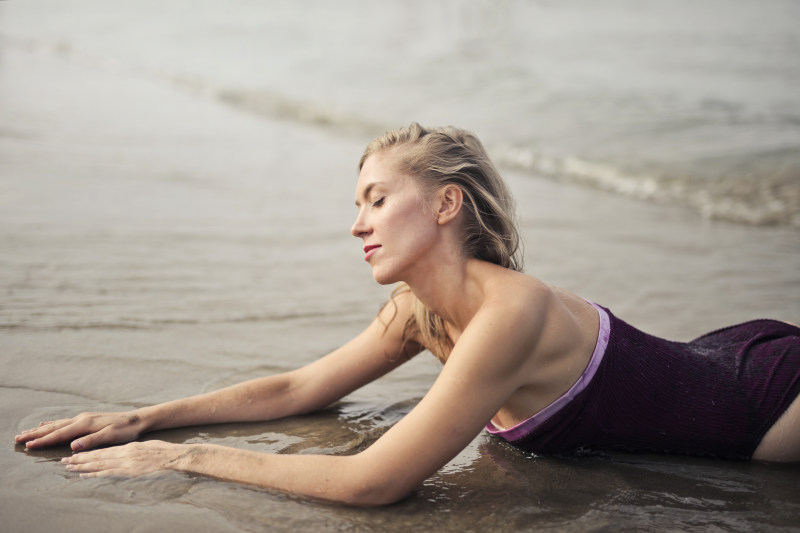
(384, 278)
(384, 281)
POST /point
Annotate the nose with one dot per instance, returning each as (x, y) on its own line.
(360, 228)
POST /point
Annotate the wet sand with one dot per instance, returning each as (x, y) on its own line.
(154, 244)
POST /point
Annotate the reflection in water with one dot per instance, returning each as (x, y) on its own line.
(490, 486)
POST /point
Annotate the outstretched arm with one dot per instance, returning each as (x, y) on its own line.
(480, 374)
(365, 358)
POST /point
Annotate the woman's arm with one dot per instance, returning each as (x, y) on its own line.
(480, 374)
(374, 352)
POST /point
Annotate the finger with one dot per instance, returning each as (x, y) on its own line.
(93, 440)
(99, 465)
(45, 428)
(99, 460)
(105, 454)
(80, 460)
(57, 434)
(41, 429)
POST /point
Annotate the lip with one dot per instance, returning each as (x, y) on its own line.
(369, 250)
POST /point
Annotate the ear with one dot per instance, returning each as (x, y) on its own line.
(450, 199)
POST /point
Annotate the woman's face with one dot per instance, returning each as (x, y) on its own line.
(397, 229)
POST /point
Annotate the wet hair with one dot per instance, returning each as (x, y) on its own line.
(435, 158)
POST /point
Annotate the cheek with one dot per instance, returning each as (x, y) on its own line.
(409, 225)
(406, 222)
(418, 233)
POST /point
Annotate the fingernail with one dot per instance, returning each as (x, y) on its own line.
(77, 445)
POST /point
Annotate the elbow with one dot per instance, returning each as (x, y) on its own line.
(375, 496)
(374, 487)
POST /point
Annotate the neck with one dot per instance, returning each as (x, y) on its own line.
(453, 290)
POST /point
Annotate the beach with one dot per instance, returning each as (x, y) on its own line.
(176, 194)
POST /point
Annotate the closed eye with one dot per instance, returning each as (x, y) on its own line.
(379, 202)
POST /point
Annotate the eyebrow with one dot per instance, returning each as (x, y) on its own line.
(367, 190)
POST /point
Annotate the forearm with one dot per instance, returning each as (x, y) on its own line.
(344, 479)
(259, 399)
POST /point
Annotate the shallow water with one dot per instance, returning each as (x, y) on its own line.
(156, 242)
(685, 102)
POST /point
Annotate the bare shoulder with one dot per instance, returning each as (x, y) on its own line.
(527, 298)
(557, 327)
(513, 313)
(519, 298)
(551, 335)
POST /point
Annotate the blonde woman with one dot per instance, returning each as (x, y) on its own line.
(536, 365)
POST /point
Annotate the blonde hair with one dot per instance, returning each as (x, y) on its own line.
(437, 157)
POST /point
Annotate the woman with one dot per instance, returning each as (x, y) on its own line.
(537, 365)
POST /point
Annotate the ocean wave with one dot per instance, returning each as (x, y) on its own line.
(762, 197)
(768, 198)
(761, 190)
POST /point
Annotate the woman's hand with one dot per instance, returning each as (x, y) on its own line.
(130, 460)
(89, 430)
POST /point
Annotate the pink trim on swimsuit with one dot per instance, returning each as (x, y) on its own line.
(526, 426)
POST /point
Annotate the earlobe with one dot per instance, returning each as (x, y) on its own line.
(452, 197)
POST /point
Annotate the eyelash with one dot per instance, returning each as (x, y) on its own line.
(379, 202)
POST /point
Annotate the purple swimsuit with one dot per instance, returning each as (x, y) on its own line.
(716, 395)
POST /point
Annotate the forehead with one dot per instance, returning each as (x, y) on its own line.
(379, 171)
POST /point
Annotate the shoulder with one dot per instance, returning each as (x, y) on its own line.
(513, 322)
(512, 315)
(518, 298)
